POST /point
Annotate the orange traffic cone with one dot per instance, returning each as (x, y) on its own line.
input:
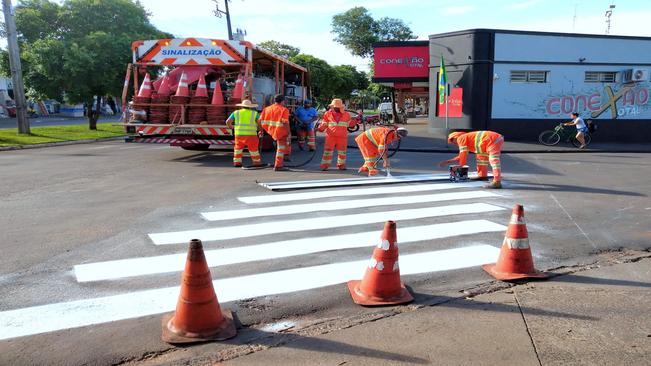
(198, 315)
(217, 96)
(238, 90)
(145, 88)
(381, 284)
(515, 261)
(164, 87)
(201, 91)
(182, 90)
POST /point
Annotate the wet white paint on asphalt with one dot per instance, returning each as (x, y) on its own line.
(393, 200)
(73, 314)
(356, 192)
(288, 248)
(243, 231)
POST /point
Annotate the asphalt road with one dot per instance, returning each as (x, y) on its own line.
(55, 121)
(85, 204)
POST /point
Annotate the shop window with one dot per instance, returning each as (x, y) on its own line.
(600, 76)
(529, 76)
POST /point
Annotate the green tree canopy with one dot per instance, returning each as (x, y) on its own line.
(280, 49)
(79, 50)
(357, 30)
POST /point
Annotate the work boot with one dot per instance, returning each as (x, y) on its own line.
(237, 165)
(280, 169)
(361, 170)
(324, 167)
(341, 166)
(372, 173)
(483, 179)
(496, 184)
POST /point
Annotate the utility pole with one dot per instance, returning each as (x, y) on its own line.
(16, 69)
(218, 13)
(609, 13)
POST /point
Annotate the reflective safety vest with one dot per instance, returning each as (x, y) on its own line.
(379, 137)
(245, 122)
(476, 142)
(333, 126)
(275, 120)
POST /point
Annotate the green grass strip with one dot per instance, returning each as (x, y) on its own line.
(41, 135)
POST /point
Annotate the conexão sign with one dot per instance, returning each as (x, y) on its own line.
(401, 62)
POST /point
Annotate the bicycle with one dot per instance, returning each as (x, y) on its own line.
(553, 137)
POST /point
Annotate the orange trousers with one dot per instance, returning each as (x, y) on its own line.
(246, 142)
(283, 147)
(370, 154)
(492, 157)
(332, 143)
(311, 138)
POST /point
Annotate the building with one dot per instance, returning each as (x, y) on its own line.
(520, 83)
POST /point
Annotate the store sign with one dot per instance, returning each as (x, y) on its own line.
(401, 62)
(627, 100)
(454, 105)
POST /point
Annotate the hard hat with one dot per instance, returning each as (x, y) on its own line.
(402, 132)
(454, 135)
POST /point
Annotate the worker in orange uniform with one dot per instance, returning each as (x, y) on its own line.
(373, 145)
(335, 124)
(246, 123)
(275, 120)
(487, 145)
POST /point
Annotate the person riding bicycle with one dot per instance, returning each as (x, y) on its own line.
(487, 145)
(581, 128)
(306, 116)
(374, 143)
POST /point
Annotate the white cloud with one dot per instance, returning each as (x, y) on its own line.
(457, 10)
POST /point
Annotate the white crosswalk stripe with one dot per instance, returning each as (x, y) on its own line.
(272, 218)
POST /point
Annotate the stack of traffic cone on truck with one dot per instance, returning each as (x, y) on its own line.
(140, 108)
(159, 111)
(216, 112)
(179, 100)
(197, 113)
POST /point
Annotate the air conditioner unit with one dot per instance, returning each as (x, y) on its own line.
(633, 75)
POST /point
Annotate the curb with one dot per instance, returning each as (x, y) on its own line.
(62, 143)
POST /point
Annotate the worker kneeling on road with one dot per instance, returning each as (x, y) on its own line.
(275, 120)
(335, 124)
(373, 144)
(487, 145)
(246, 122)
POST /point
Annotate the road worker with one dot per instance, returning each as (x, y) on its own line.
(246, 122)
(373, 145)
(306, 115)
(487, 145)
(275, 120)
(335, 124)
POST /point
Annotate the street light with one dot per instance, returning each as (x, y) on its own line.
(218, 13)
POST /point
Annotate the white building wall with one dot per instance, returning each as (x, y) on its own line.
(566, 90)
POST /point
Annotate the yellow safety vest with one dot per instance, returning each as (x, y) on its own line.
(245, 122)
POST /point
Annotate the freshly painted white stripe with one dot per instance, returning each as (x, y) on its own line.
(395, 189)
(268, 228)
(276, 186)
(53, 317)
(219, 257)
(393, 200)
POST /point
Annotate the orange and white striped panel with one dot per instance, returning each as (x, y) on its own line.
(190, 51)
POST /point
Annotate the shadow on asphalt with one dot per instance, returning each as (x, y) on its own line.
(600, 281)
(474, 305)
(528, 186)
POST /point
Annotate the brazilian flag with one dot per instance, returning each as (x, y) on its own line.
(443, 81)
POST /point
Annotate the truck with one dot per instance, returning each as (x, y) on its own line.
(223, 64)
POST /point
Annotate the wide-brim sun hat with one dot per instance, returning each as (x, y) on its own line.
(337, 103)
(246, 104)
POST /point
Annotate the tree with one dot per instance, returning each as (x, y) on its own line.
(322, 77)
(348, 79)
(78, 51)
(280, 49)
(357, 30)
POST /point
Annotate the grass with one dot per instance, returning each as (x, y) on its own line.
(40, 135)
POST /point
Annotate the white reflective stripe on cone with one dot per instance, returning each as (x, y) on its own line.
(517, 243)
(515, 219)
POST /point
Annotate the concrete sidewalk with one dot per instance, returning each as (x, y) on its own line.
(594, 316)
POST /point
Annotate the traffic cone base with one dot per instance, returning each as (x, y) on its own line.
(515, 261)
(361, 298)
(226, 330)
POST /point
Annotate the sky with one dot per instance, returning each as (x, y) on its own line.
(306, 24)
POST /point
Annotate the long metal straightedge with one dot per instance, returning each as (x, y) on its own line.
(346, 182)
